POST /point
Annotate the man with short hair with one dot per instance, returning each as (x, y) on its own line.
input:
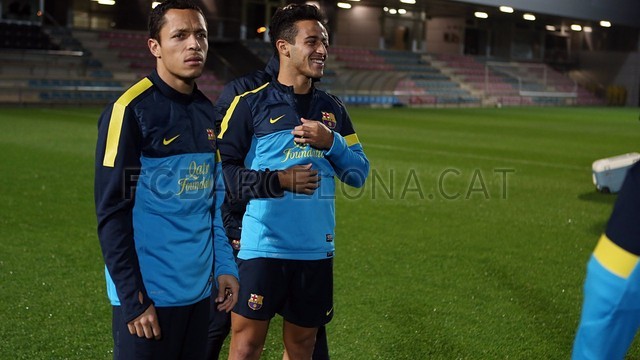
(285, 164)
(233, 211)
(158, 191)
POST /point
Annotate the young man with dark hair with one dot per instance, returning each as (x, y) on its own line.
(233, 211)
(275, 157)
(158, 191)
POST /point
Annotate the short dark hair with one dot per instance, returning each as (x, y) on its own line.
(284, 20)
(156, 17)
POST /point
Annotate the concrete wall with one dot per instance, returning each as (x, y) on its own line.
(445, 35)
(610, 68)
(367, 32)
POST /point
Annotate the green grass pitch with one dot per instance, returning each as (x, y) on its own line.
(469, 241)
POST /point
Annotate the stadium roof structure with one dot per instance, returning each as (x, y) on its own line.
(618, 12)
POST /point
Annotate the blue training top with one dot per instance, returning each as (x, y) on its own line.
(158, 191)
(255, 141)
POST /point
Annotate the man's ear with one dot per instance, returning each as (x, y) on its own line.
(154, 47)
(283, 47)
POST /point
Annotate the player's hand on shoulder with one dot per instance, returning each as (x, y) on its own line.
(299, 179)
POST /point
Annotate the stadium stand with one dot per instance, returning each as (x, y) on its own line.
(47, 76)
(88, 66)
(45, 64)
(94, 68)
(382, 77)
(15, 35)
(513, 83)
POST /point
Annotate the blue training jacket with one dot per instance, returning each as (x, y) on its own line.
(158, 191)
(255, 141)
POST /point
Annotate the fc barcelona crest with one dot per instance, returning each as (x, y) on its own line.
(329, 119)
(255, 302)
(211, 135)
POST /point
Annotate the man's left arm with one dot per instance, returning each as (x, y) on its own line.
(343, 149)
(225, 268)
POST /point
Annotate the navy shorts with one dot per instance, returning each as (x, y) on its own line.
(301, 291)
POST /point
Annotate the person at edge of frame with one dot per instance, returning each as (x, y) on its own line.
(611, 307)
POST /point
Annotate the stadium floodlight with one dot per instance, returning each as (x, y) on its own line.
(550, 28)
(154, 4)
(529, 17)
(107, 2)
(506, 9)
(408, 1)
(354, 0)
(402, 11)
(605, 23)
(587, 29)
(576, 27)
(481, 15)
(343, 5)
(393, 11)
(386, 9)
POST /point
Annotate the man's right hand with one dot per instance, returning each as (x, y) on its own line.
(146, 325)
(299, 179)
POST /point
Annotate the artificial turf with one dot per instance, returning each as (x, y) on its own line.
(469, 240)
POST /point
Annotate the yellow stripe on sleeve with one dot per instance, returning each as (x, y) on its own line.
(225, 121)
(352, 139)
(218, 157)
(614, 258)
(117, 118)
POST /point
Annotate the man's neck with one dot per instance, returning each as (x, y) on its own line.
(301, 84)
(180, 85)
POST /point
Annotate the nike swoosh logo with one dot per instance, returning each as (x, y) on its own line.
(166, 141)
(273, 121)
(329, 311)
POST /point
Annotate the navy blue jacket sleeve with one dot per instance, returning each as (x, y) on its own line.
(232, 212)
(622, 227)
(233, 208)
(116, 169)
(234, 142)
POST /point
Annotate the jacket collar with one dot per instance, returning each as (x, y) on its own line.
(170, 92)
